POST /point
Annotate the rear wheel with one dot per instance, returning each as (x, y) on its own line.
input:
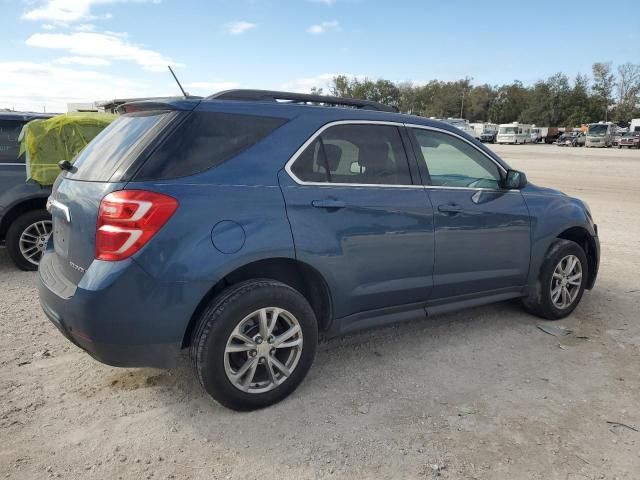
(27, 238)
(561, 281)
(254, 344)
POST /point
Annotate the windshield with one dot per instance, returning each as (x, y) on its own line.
(508, 130)
(599, 129)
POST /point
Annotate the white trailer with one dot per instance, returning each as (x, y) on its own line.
(514, 133)
(634, 126)
(539, 134)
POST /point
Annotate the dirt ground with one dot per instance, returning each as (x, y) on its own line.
(480, 394)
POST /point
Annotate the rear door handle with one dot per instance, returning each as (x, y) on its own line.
(328, 203)
(450, 208)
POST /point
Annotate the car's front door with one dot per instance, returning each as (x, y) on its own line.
(482, 231)
(359, 218)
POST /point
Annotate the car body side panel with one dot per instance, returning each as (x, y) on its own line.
(184, 250)
(375, 252)
(484, 247)
(551, 214)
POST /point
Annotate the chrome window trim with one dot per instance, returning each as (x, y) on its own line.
(13, 164)
(318, 132)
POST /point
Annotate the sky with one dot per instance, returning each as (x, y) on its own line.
(53, 52)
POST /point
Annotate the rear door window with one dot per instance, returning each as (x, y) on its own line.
(116, 147)
(205, 140)
(355, 154)
(9, 145)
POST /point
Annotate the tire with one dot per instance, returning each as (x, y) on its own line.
(540, 301)
(39, 222)
(234, 308)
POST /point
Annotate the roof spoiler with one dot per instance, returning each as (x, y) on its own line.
(177, 103)
(302, 98)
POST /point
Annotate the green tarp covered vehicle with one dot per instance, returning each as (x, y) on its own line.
(45, 142)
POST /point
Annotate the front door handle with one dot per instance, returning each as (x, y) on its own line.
(328, 203)
(449, 208)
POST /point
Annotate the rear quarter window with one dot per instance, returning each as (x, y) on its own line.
(114, 149)
(204, 140)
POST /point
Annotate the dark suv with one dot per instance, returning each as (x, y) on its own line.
(244, 225)
(25, 224)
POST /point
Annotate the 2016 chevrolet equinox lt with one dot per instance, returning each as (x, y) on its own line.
(244, 225)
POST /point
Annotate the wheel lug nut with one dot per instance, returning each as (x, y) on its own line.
(272, 351)
(258, 340)
(271, 340)
(253, 353)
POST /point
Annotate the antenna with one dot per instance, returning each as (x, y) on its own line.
(177, 81)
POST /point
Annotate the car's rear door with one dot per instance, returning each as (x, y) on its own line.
(359, 218)
(482, 232)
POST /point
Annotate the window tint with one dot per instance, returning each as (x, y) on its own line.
(452, 162)
(363, 154)
(9, 145)
(205, 140)
(113, 148)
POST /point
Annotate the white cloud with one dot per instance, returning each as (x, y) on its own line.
(101, 45)
(32, 86)
(237, 28)
(48, 26)
(85, 27)
(90, 61)
(323, 27)
(69, 11)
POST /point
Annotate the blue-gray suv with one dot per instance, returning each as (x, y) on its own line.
(245, 225)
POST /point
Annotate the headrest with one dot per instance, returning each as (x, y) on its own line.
(333, 154)
(374, 154)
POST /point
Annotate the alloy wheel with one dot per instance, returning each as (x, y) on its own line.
(263, 350)
(33, 240)
(566, 281)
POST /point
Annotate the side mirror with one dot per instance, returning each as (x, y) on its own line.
(515, 180)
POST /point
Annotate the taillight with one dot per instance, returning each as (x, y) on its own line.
(127, 220)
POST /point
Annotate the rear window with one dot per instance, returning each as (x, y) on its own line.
(205, 140)
(9, 145)
(117, 146)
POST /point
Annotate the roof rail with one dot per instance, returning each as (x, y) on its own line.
(274, 96)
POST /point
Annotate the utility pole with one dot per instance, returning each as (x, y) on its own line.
(462, 105)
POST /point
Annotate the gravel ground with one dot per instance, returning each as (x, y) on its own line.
(476, 394)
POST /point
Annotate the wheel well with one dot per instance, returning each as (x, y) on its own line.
(19, 209)
(305, 279)
(582, 237)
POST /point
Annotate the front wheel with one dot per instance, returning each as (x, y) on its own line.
(27, 238)
(254, 344)
(561, 281)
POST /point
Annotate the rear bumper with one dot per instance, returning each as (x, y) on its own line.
(117, 313)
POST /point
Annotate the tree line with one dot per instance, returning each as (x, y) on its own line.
(608, 94)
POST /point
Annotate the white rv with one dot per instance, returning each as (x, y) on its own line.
(600, 134)
(463, 125)
(514, 133)
(635, 125)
